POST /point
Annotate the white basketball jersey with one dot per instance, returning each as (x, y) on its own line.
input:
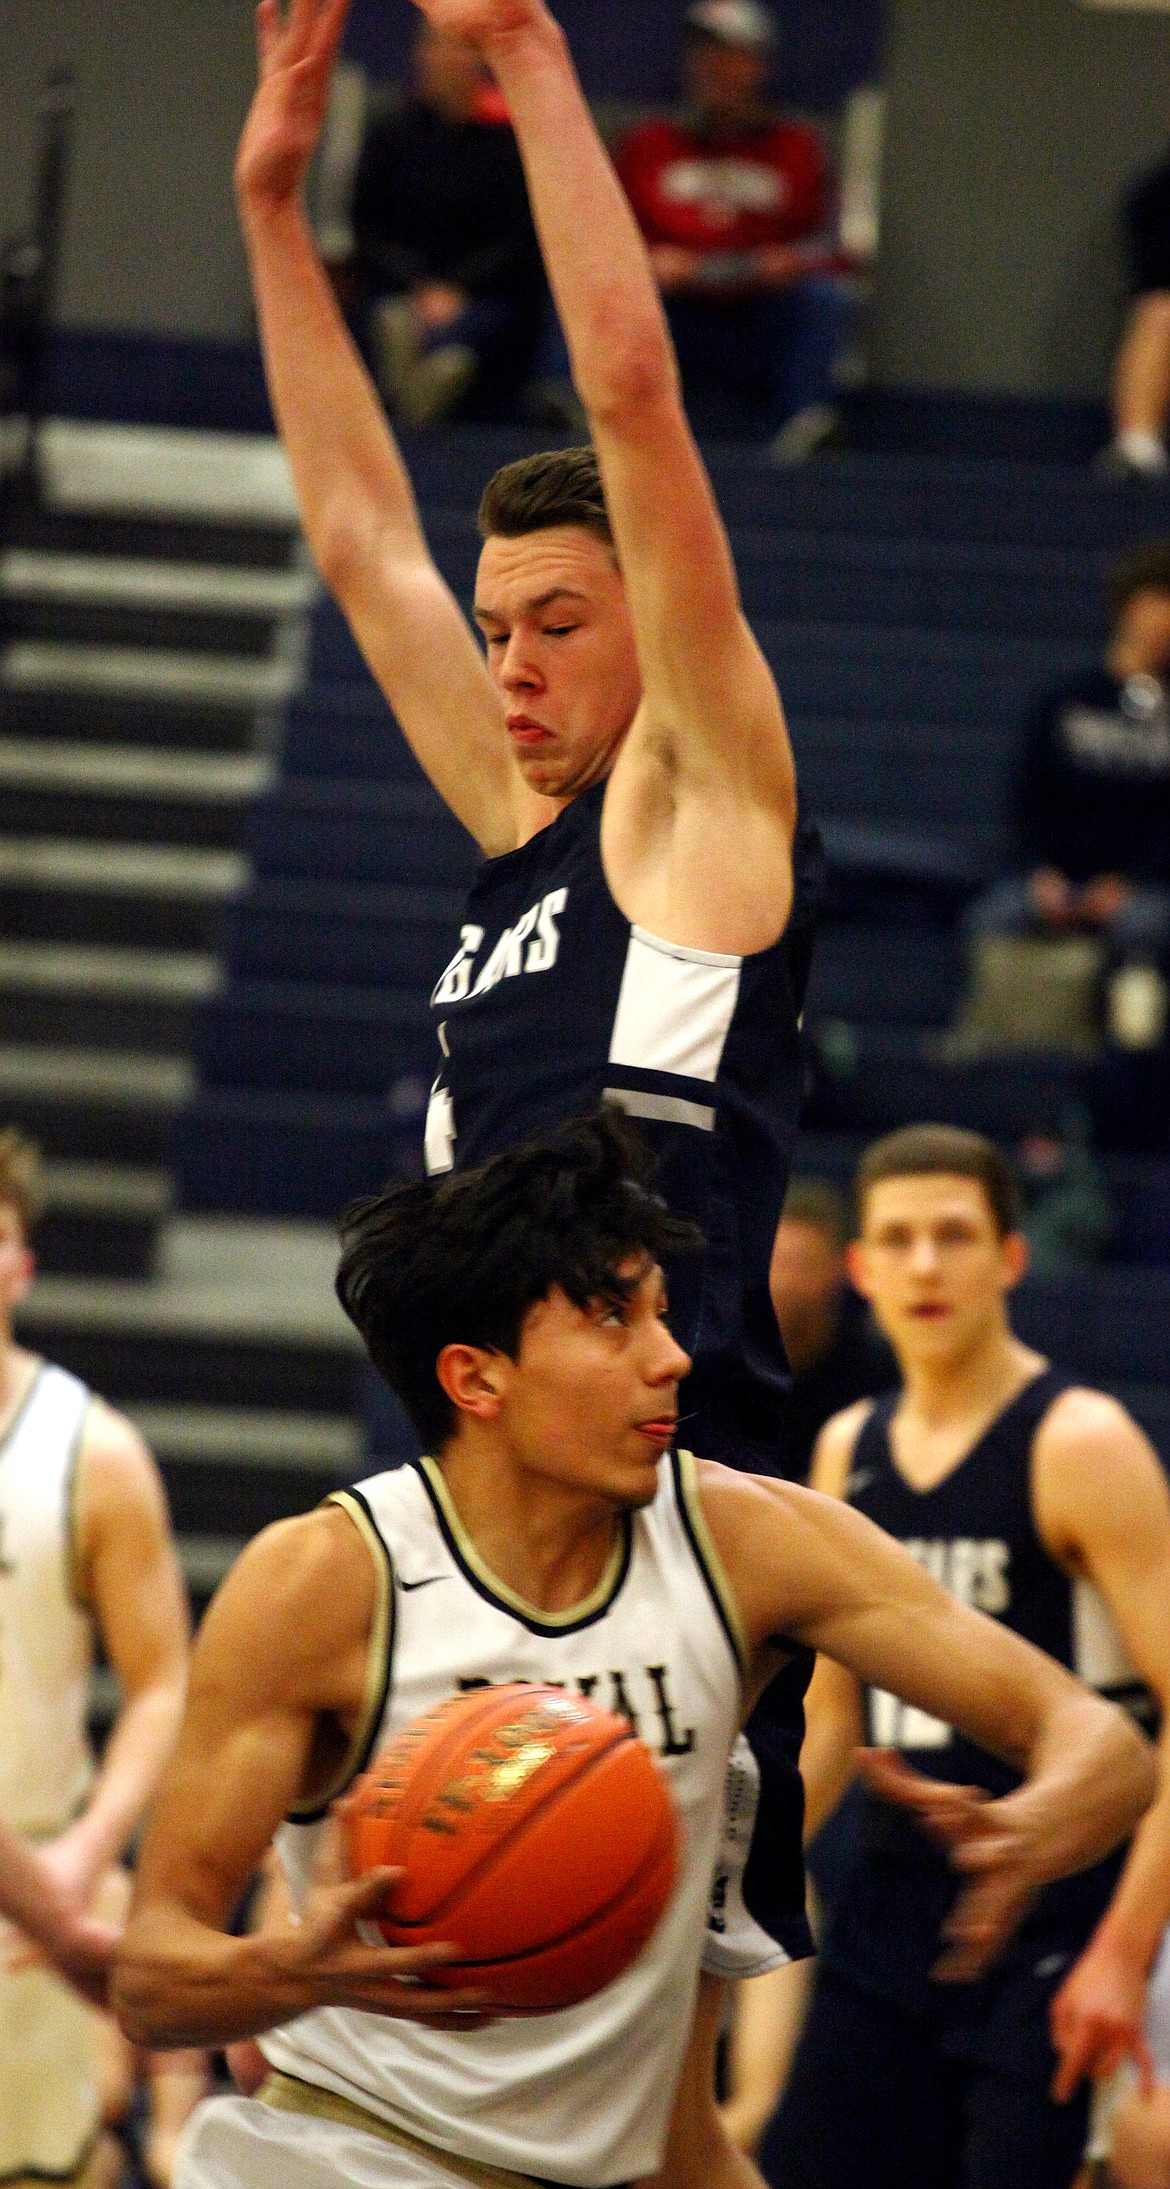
(46, 1640)
(582, 2095)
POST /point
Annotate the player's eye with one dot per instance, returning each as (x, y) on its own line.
(559, 630)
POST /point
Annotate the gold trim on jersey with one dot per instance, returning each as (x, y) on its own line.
(288, 2094)
(713, 1566)
(377, 1663)
(588, 1607)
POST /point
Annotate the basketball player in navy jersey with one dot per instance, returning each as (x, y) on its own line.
(640, 927)
(520, 1313)
(1043, 1504)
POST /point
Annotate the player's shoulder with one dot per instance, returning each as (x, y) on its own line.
(833, 1451)
(308, 1583)
(1093, 1470)
(1084, 1419)
(113, 1457)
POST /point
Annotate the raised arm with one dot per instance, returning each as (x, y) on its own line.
(355, 498)
(809, 1567)
(709, 693)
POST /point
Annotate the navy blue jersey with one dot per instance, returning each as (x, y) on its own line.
(554, 1002)
(975, 1531)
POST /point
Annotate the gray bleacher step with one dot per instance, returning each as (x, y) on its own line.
(158, 674)
(49, 787)
(171, 471)
(98, 996)
(83, 716)
(101, 1219)
(59, 889)
(252, 1438)
(94, 1104)
(136, 582)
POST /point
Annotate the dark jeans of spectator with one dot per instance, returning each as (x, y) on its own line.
(1140, 932)
(759, 359)
(502, 331)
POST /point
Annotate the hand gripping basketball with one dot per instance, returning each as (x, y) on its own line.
(533, 1830)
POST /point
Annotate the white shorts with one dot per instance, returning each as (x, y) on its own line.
(736, 1946)
(242, 2143)
(49, 2105)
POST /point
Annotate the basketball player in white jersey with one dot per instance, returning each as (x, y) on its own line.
(1043, 1502)
(519, 1311)
(85, 1549)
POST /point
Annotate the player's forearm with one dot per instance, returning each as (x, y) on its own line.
(594, 254)
(136, 1751)
(351, 483)
(1139, 1911)
(1089, 1777)
(179, 1982)
(29, 1896)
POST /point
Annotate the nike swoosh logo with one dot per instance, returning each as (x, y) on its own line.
(425, 1583)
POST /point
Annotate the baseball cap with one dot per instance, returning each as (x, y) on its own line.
(734, 23)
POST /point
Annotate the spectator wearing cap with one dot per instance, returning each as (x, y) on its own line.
(1093, 806)
(736, 205)
(835, 1353)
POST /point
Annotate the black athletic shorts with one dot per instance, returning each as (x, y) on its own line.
(875, 2102)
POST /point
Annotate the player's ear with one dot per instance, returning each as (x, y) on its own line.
(855, 1267)
(1016, 1256)
(473, 1378)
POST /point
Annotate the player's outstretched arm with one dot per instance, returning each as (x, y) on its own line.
(126, 1573)
(355, 498)
(711, 709)
(810, 1568)
(1103, 1510)
(278, 1678)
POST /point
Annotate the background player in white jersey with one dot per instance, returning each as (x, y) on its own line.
(85, 1547)
(520, 1313)
(1044, 1503)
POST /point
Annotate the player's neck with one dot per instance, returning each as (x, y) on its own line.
(952, 1396)
(17, 1370)
(546, 1541)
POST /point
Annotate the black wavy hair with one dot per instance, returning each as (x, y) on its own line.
(460, 1259)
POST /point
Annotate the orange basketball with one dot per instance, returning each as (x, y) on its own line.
(535, 1832)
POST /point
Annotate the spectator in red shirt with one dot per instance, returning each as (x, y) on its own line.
(736, 205)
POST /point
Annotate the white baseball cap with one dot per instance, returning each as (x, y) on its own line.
(734, 23)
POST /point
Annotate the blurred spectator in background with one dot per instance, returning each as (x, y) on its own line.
(1093, 808)
(1141, 371)
(737, 208)
(835, 1353)
(446, 253)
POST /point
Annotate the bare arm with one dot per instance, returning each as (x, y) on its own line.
(277, 1683)
(833, 1720)
(127, 1573)
(809, 1567)
(355, 498)
(34, 1899)
(1103, 1509)
(711, 712)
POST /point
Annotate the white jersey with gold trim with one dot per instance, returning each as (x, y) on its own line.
(46, 1640)
(582, 2095)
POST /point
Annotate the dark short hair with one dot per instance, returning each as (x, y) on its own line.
(1145, 569)
(924, 1151)
(460, 1259)
(560, 486)
(823, 1207)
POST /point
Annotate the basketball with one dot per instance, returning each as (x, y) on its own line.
(535, 1832)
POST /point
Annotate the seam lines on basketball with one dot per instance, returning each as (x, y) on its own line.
(710, 1565)
(379, 1659)
(627, 1890)
(493, 1590)
(490, 1854)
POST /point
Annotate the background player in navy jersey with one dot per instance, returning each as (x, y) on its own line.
(520, 1312)
(1042, 1503)
(638, 929)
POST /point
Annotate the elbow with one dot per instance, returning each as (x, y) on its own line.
(136, 2001)
(638, 374)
